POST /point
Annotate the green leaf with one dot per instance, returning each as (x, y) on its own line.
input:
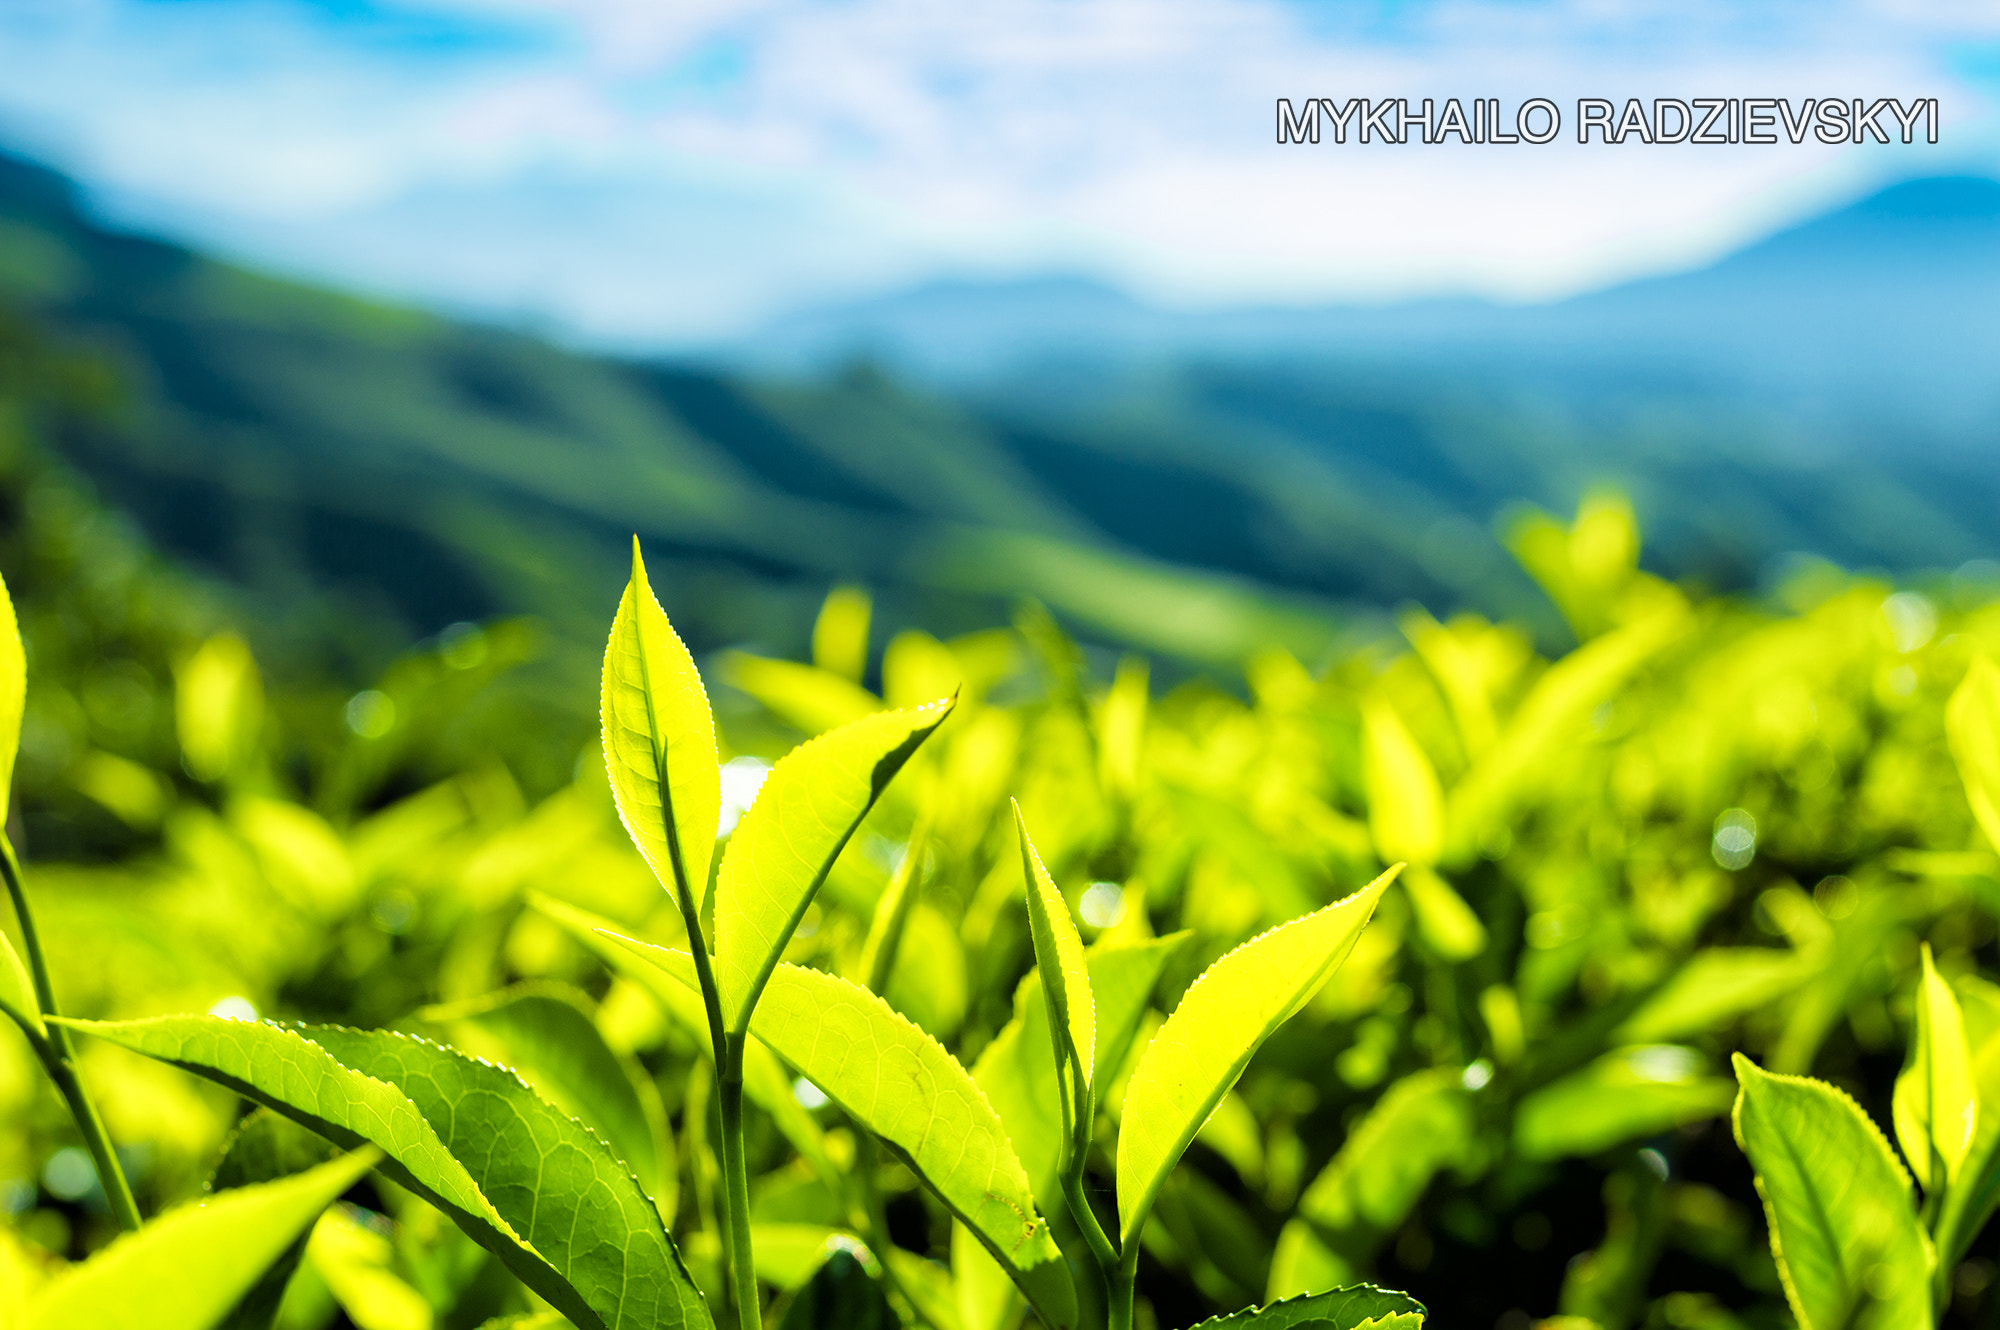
(528, 1183)
(806, 697)
(266, 1147)
(1363, 1306)
(892, 915)
(1624, 1095)
(840, 634)
(17, 991)
(170, 1276)
(1421, 1124)
(659, 742)
(1935, 1111)
(1065, 983)
(1405, 803)
(903, 1086)
(1843, 1228)
(1968, 1206)
(1445, 920)
(781, 851)
(1972, 723)
(544, 1034)
(1223, 1019)
(13, 694)
(1711, 988)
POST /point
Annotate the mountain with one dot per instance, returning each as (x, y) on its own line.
(342, 457)
(1897, 295)
(1188, 485)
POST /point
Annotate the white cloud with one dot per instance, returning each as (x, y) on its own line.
(642, 171)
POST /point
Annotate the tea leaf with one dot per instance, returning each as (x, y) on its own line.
(1017, 1069)
(547, 1038)
(1843, 1229)
(17, 991)
(1972, 723)
(1065, 978)
(1713, 987)
(13, 694)
(1420, 1124)
(1204, 1046)
(268, 1146)
(765, 1081)
(659, 741)
(1405, 803)
(1623, 1095)
(903, 1086)
(189, 1267)
(783, 848)
(1934, 1109)
(529, 1184)
(1362, 1307)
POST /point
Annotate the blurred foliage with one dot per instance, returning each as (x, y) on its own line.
(1715, 825)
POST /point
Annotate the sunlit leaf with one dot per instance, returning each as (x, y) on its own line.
(13, 694)
(218, 705)
(17, 991)
(1970, 1204)
(1934, 1108)
(902, 1085)
(1843, 1228)
(1121, 728)
(526, 1181)
(545, 1036)
(1421, 1124)
(1714, 987)
(810, 699)
(1624, 1095)
(1065, 978)
(1363, 1307)
(765, 1081)
(356, 1264)
(1017, 1068)
(659, 740)
(1445, 921)
(891, 917)
(266, 1147)
(840, 634)
(189, 1267)
(1972, 723)
(1208, 1040)
(1405, 803)
(781, 851)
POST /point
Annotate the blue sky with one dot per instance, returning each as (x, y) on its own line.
(645, 174)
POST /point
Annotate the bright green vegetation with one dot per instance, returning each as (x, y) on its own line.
(958, 986)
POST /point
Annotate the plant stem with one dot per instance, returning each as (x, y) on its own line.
(1122, 1281)
(736, 1191)
(58, 1055)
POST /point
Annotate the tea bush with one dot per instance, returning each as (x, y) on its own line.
(1021, 993)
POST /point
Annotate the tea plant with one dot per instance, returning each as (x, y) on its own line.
(551, 1199)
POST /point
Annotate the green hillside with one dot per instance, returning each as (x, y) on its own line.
(350, 460)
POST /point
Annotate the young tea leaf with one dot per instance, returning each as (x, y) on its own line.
(189, 1267)
(659, 741)
(1935, 1110)
(268, 1146)
(13, 694)
(903, 1086)
(1972, 723)
(17, 991)
(1065, 979)
(1421, 1124)
(543, 1034)
(809, 806)
(1224, 1018)
(1405, 803)
(1843, 1229)
(528, 1183)
(1363, 1307)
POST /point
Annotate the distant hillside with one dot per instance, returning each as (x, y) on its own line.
(1190, 487)
(310, 445)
